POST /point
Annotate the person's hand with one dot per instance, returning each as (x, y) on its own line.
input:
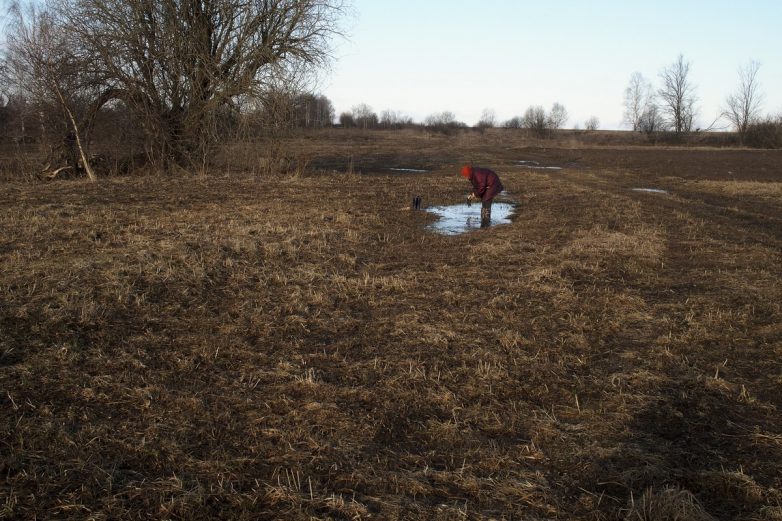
(471, 197)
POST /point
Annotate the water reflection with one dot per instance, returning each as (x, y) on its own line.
(536, 165)
(462, 218)
(650, 190)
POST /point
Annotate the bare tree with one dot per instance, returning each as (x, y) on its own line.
(558, 116)
(678, 95)
(535, 119)
(652, 120)
(364, 116)
(393, 119)
(514, 122)
(743, 106)
(638, 96)
(444, 122)
(388, 118)
(49, 68)
(276, 112)
(176, 64)
(592, 123)
(488, 119)
(445, 118)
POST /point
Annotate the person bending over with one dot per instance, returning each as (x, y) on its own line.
(485, 186)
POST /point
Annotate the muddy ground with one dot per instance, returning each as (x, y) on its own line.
(302, 347)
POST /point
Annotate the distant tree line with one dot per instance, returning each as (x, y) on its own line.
(362, 116)
(538, 121)
(181, 76)
(671, 108)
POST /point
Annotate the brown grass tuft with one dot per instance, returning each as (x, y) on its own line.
(669, 504)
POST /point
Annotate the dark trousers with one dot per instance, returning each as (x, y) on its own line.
(486, 213)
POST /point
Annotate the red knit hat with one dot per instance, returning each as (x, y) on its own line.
(466, 171)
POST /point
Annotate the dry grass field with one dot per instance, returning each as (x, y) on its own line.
(302, 347)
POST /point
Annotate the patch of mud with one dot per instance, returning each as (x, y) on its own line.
(462, 218)
(650, 190)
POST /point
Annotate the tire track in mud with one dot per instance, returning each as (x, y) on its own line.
(710, 300)
(726, 261)
(702, 238)
(766, 221)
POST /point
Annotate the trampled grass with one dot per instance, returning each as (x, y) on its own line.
(302, 347)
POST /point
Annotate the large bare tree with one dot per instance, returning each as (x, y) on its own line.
(558, 116)
(535, 120)
(743, 106)
(677, 95)
(177, 63)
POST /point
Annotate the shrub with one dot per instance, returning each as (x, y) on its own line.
(766, 133)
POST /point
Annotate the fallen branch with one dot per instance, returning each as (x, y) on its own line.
(54, 173)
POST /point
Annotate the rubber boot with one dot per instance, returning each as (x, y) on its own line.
(485, 216)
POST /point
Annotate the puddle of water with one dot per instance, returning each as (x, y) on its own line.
(462, 218)
(538, 166)
(650, 190)
(407, 170)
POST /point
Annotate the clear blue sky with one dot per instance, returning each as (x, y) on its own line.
(425, 56)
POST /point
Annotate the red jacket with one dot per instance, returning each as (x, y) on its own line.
(485, 183)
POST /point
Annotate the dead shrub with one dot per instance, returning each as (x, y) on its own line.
(766, 133)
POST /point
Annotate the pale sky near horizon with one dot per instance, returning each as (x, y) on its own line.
(427, 56)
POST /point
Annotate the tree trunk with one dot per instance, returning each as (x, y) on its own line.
(76, 138)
